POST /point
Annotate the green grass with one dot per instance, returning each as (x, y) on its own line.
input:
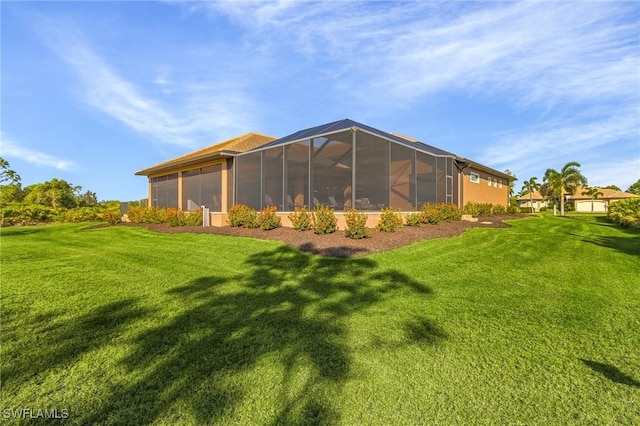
(535, 324)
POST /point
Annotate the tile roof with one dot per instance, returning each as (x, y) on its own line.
(607, 194)
(241, 143)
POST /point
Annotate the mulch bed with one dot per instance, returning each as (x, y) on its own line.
(337, 244)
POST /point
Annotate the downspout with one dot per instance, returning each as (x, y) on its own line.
(461, 164)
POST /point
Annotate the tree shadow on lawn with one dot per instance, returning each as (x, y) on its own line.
(624, 245)
(50, 344)
(286, 317)
(612, 373)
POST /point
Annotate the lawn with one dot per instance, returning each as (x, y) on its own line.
(535, 324)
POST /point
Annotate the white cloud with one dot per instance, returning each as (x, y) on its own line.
(12, 149)
(607, 172)
(183, 117)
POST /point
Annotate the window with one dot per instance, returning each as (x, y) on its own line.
(495, 183)
(474, 177)
(500, 184)
(164, 191)
(489, 180)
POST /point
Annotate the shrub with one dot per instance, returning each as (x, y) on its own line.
(527, 210)
(514, 210)
(146, 215)
(390, 220)
(543, 209)
(414, 219)
(193, 218)
(31, 214)
(449, 212)
(111, 215)
(498, 209)
(429, 213)
(241, 215)
(478, 209)
(268, 219)
(324, 220)
(301, 219)
(625, 213)
(356, 224)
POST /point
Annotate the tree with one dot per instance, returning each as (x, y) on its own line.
(565, 181)
(635, 188)
(593, 192)
(530, 186)
(53, 193)
(7, 174)
(614, 187)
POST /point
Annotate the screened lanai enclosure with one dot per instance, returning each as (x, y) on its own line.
(344, 166)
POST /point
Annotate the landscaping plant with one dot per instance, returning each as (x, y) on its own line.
(356, 224)
(390, 220)
(324, 220)
(301, 219)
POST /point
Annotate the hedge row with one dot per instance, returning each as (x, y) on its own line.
(170, 216)
(322, 220)
(18, 214)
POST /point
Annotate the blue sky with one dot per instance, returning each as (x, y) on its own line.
(93, 91)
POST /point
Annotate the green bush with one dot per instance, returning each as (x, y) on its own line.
(147, 215)
(390, 220)
(241, 215)
(111, 215)
(301, 219)
(449, 212)
(268, 219)
(498, 209)
(324, 220)
(527, 210)
(543, 209)
(429, 213)
(414, 219)
(356, 224)
(514, 210)
(478, 209)
(625, 213)
(30, 214)
(193, 218)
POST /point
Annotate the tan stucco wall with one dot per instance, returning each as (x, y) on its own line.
(481, 192)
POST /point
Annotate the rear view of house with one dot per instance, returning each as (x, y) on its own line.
(344, 165)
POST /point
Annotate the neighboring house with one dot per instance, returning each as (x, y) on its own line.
(343, 165)
(585, 203)
(524, 201)
(581, 203)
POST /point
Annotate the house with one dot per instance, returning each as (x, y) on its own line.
(581, 202)
(585, 203)
(539, 201)
(343, 164)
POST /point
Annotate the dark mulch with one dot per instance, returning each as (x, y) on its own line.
(337, 244)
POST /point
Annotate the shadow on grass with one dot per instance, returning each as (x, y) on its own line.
(284, 317)
(624, 245)
(612, 373)
(54, 343)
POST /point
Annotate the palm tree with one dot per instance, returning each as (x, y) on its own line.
(593, 192)
(530, 186)
(565, 181)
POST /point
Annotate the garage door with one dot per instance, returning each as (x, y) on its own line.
(599, 206)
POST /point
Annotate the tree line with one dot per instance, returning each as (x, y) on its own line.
(55, 199)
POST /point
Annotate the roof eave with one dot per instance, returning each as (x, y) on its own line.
(186, 163)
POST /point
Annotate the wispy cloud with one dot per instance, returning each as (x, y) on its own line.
(12, 149)
(184, 116)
